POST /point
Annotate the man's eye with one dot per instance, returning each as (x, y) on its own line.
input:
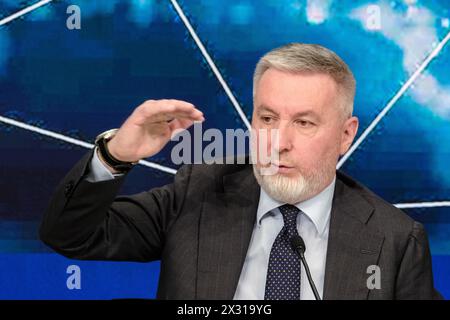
(305, 123)
(266, 119)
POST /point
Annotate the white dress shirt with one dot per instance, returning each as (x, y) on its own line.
(98, 171)
(312, 225)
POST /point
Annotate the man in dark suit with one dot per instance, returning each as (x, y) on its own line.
(224, 231)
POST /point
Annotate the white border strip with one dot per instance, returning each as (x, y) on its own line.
(211, 63)
(24, 11)
(391, 103)
(423, 205)
(77, 142)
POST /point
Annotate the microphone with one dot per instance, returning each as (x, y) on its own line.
(298, 245)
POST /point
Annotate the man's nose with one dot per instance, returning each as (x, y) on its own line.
(283, 137)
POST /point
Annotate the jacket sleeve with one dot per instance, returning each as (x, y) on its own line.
(415, 277)
(87, 220)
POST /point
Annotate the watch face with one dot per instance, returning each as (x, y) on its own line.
(107, 135)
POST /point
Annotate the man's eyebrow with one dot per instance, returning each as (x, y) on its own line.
(306, 113)
(311, 113)
(262, 108)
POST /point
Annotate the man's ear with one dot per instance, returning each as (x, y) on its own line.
(349, 130)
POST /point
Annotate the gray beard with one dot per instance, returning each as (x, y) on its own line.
(291, 190)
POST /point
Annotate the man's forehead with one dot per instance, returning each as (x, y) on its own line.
(308, 88)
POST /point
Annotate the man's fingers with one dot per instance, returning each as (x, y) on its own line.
(180, 124)
(158, 111)
(169, 106)
(169, 116)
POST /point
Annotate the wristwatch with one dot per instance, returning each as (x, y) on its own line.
(101, 142)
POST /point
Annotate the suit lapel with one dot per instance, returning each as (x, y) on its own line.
(226, 227)
(352, 245)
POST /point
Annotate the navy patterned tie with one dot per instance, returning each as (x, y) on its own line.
(283, 273)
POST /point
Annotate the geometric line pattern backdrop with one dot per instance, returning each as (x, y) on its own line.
(63, 87)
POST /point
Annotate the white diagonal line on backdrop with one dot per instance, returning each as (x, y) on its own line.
(434, 204)
(74, 141)
(24, 11)
(391, 102)
(210, 62)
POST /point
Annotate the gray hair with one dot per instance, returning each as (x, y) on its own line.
(301, 57)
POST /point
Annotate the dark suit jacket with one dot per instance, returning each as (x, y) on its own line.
(200, 227)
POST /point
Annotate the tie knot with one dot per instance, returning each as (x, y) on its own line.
(289, 213)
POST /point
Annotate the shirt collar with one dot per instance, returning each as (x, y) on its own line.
(318, 208)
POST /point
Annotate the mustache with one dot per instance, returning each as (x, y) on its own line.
(279, 163)
(283, 162)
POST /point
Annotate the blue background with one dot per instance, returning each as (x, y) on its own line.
(82, 82)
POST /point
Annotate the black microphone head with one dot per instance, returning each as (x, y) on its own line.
(298, 244)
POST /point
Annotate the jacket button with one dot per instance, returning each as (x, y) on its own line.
(68, 188)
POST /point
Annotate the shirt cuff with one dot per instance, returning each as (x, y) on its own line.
(98, 171)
